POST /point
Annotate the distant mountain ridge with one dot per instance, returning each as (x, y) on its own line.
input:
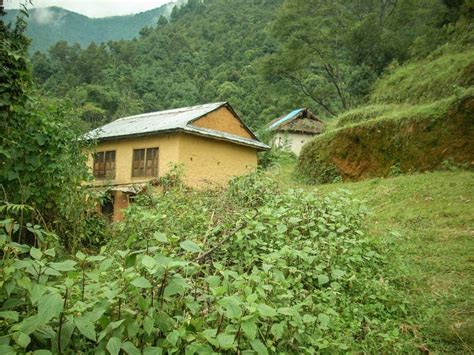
(48, 25)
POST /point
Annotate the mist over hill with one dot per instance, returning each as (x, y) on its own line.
(48, 25)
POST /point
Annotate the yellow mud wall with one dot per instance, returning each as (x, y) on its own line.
(168, 145)
(223, 120)
(210, 162)
(120, 203)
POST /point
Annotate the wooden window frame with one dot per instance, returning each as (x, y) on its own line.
(148, 164)
(105, 169)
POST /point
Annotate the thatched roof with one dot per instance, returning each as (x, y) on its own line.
(298, 121)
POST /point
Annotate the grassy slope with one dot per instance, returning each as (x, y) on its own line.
(434, 216)
(420, 115)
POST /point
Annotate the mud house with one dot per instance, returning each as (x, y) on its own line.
(210, 141)
(294, 129)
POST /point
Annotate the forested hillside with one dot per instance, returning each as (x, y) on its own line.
(419, 117)
(266, 264)
(49, 25)
(253, 54)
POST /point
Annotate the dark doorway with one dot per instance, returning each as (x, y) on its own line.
(108, 207)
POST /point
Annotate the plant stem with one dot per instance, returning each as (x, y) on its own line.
(61, 320)
(83, 283)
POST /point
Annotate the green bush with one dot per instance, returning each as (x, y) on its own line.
(210, 271)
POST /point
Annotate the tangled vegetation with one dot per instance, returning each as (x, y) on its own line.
(208, 271)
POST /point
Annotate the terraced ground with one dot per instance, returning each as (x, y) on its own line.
(430, 218)
(420, 116)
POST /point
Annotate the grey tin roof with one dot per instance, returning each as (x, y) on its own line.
(170, 121)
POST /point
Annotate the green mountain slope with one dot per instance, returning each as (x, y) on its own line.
(265, 57)
(207, 52)
(49, 25)
(421, 117)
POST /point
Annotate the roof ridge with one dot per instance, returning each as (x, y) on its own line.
(174, 110)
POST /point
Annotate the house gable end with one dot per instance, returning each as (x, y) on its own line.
(223, 119)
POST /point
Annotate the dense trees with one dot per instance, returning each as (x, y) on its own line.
(42, 161)
(265, 57)
(336, 49)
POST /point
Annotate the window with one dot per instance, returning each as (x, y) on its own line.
(145, 162)
(104, 165)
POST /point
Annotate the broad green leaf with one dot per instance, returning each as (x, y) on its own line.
(113, 345)
(259, 347)
(36, 253)
(25, 283)
(31, 324)
(176, 285)
(131, 349)
(278, 329)
(323, 319)
(213, 281)
(148, 325)
(173, 337)
(95, 315)
(160, 237)
(6, 349)
(226, 341)
(153, 350)
(22, 339)
(85, 327)
(141, 282)
(50, 306)
(266, 311)
(67, 265)
(116, 324)
(9, 315)
(308, 318)
(148, 262)
(323, 279)
(337, 273)
(66, 334)
(294, 220)
(249, 328)
(281, 228)
(42, 352)
(210, 335)
(287, 311)
(231, 304)
(50, 252)
(37, 291)
(95, 258)
(80, 255)
(190, 246)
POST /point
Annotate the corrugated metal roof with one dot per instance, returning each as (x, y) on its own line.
(297, 121)
(226, 136)
(167, 121)
(286, 118)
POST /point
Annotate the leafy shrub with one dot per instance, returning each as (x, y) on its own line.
(42, 161)
(294, 273)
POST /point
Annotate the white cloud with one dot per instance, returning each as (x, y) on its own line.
(95, 8)
(43, 16)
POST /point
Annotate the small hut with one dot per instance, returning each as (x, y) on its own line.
(295, 129)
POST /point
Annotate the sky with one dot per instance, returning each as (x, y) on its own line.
(94, 8)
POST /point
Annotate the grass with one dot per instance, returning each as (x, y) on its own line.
(427, 80)
(433, 217)
(417, 138)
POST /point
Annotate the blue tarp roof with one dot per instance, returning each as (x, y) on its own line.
(286, 118)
